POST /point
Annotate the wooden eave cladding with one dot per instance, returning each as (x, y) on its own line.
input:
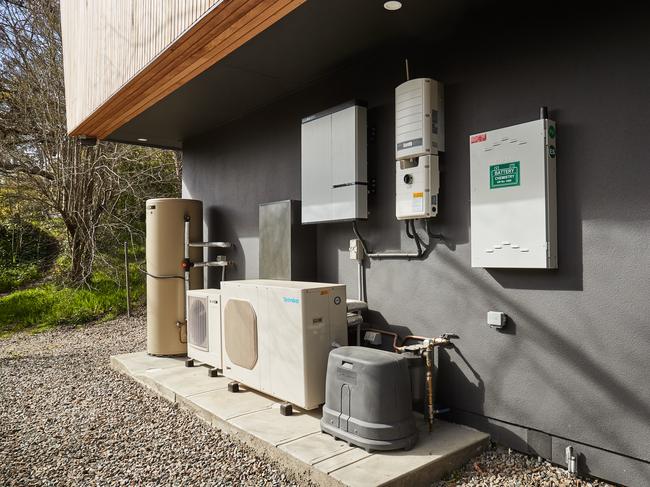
(218, 33)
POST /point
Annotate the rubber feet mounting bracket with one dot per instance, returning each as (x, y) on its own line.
(286, 409)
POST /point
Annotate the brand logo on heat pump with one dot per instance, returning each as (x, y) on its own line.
(290, 300)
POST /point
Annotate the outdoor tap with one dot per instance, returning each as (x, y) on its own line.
(186, 264)
(425, 348)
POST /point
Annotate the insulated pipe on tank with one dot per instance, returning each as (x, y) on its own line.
(186, 256)
(218, 263)
(220, 245)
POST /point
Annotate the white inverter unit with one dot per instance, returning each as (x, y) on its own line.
(419, 118)
(417, 182)
(204, 326)
(419, 137)
(277, 336)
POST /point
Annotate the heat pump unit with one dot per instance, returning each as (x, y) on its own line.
(277, 336)
(204, 326)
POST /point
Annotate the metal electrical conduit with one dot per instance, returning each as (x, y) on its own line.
(187, 263)
(411, 233)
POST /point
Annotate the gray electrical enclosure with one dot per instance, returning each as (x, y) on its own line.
(287, 248)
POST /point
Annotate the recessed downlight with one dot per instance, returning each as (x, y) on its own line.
(142, 140)
(392, 5)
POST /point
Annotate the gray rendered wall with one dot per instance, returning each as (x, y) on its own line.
(573, 364)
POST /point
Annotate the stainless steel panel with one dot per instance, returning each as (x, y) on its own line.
(287, 248)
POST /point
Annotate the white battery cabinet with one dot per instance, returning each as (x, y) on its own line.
(513, 197)
(334, 165)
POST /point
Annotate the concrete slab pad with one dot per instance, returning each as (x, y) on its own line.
(137, 362)
(270, 426)
(431, 450)
(228, 405)
(296, 441)
(315, 448)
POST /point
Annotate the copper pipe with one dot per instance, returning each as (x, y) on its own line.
(413, 337)
(428, 355)
(436, 341)
(386, 333)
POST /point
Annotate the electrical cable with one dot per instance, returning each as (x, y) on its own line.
(358, 235)
(416, 237)
(158, 277)
(408, 231)
(424, 244)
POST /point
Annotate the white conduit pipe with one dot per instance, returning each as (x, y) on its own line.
(393, 255)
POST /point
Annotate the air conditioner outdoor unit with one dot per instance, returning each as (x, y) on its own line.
(204, 326)
(277, 336)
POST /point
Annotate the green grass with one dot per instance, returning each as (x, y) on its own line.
(27, 251)
(43, 307)
(18, 275)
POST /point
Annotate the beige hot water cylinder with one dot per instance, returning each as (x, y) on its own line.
(165, 293)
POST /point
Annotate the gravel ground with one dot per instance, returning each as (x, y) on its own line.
(500, 467)
(66, 418)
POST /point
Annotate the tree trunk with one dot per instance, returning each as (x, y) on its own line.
(81, 254)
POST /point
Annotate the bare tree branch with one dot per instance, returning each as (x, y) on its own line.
(97, 192)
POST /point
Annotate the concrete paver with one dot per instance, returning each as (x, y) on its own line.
(382, 467)
(269, 425)
(315, 448)
(184, 381)
(135, 363)
(228, 405)
(337, 462)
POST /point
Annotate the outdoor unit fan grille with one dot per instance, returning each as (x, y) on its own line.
(197, 322)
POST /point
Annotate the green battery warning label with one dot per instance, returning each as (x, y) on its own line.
(504, 175)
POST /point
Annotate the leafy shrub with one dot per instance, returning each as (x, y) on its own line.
(45, 306)
(26, 251)
(18, 275)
